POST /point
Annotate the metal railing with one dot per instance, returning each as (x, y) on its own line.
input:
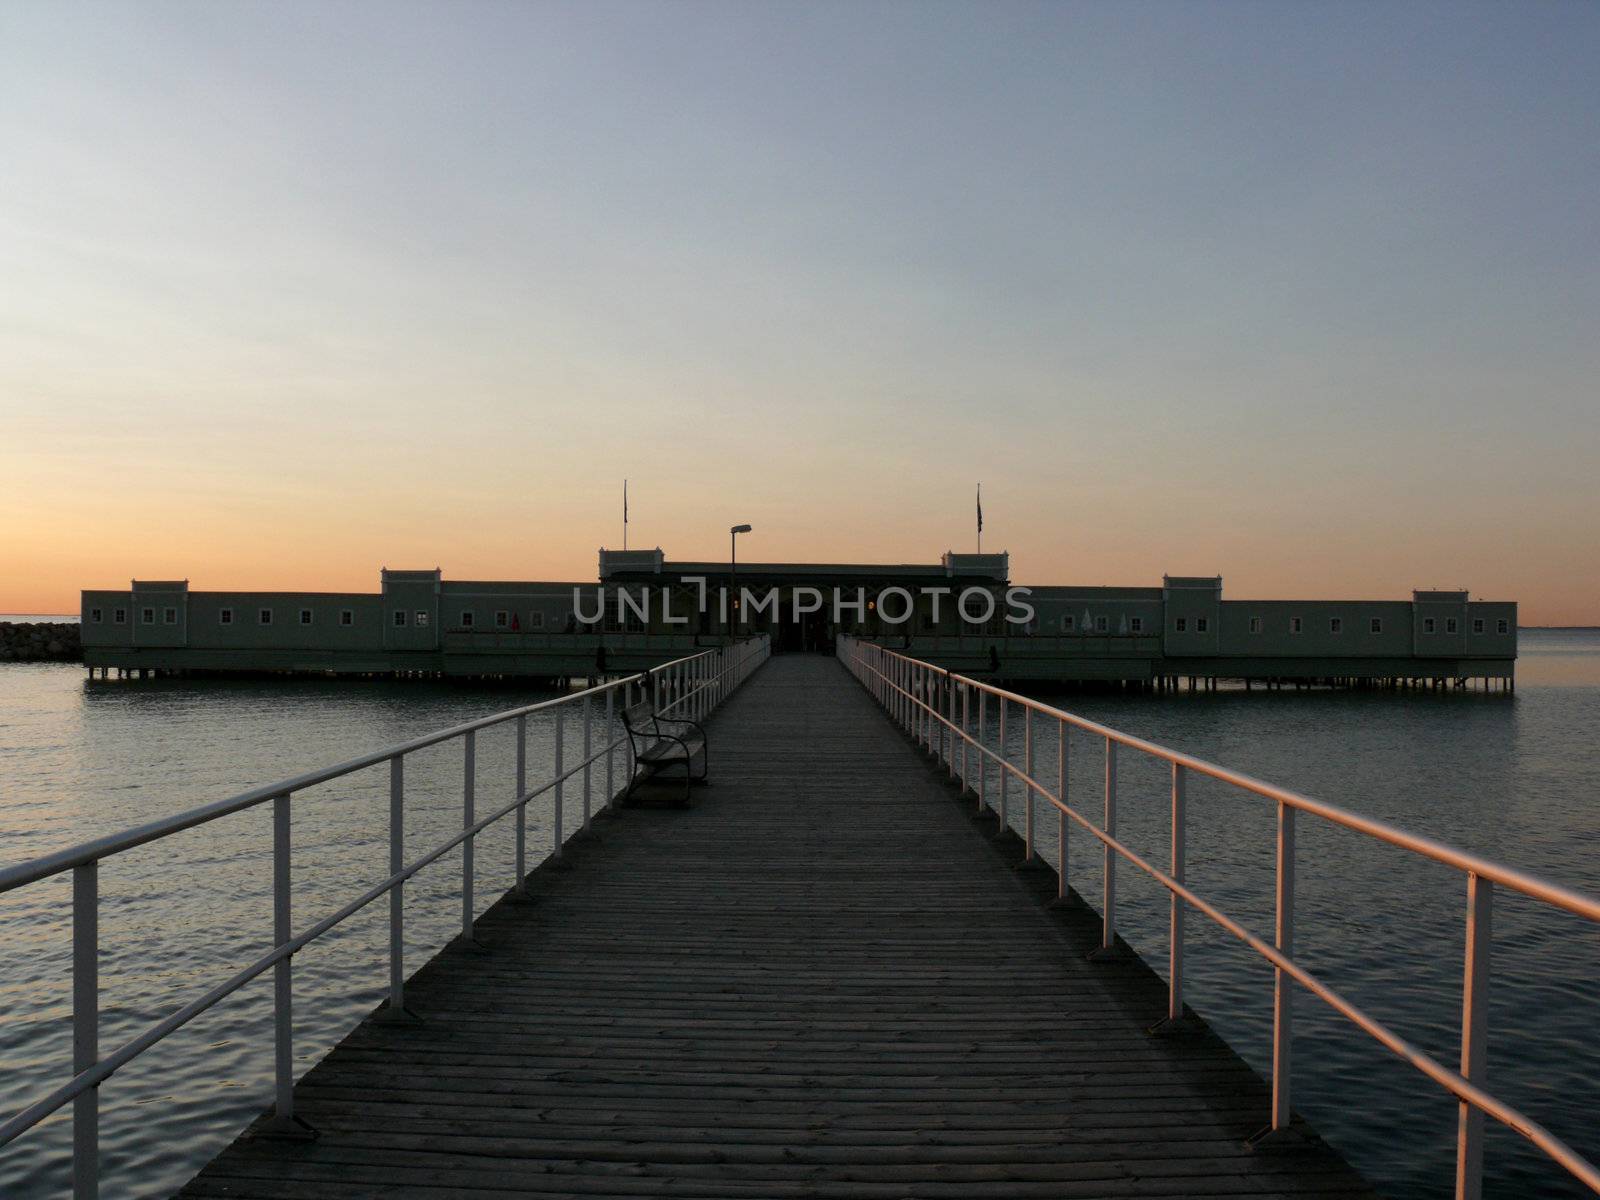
(692, 686)
(936, 707)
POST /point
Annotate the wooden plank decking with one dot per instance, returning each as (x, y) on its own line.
(824, 979)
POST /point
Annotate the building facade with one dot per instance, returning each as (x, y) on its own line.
(962, 612)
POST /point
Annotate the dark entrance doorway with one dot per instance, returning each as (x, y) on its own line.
(810, 633)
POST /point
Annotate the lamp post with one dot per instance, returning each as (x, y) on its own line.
(733, 578)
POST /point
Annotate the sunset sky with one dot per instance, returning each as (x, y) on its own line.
(1304, 295)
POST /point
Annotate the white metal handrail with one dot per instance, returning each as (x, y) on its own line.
(935, 706)
(694, 686)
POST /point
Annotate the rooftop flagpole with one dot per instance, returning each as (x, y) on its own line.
(980, 518)
(624, 514)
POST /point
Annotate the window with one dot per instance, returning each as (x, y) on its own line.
(399, 617)
(1377, 625)
(264, 616)
(1068, 623)
(1450, 625)
(119, 616)
(1296, 625)
(147, 616)
(305, 616)
(1136, 624)
(94, 616)
(501, 618)
(225, 617)
(422, 618)
(347, 616)
(1181, 625)
(169, 616)
(1427, 624)
(1503, 625)
(536, 620)
(1335, 624)
(1477, 624)
(1201, 624)
(466, 619)
(1101, 624)
(1255, 624)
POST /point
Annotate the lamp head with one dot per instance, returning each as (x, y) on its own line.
(740, 529)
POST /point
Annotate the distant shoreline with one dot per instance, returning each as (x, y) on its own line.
(74, 619)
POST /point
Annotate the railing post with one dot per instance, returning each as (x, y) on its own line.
(919, 711)
(282, 980)
(1474, 1035)
(983, 758)
(611, 745)
(1175, 914)
(1108, 934)
(1061, 817)
(397, 902)
(1282, 996)
(522, 808)
(588, 741)
(1027, 788)
(950, 723)
(86, 1028)
(561, 784)
(1005, 765)
(468, 781)
(966, 745)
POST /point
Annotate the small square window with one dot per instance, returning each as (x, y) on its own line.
(1201, 624)
(399, 617)
(1181, 625)
(1427, 625)
(94, 616)
(1101, 624)
(1377, 625)
(1136, 624)
(466, 619)
(347, 616)
(169, 616)
(305, 616)
(1450, 625)
(422, 618)
(225, 616)
(119, 616)
(1502, 626)
(264, 616)
(501, 618)
(147, 616)
(1296, 625)
(1068, 624)
(1335, 624)
(1477, 624)
(536, 620)
(1255, 624)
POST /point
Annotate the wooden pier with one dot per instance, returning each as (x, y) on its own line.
(825, 978)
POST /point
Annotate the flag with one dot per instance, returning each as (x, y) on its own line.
(980, 508)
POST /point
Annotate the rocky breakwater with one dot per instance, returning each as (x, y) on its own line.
(39, 641)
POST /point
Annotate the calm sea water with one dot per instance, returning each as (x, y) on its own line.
(1515, 777)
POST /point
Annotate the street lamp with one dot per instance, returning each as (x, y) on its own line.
(733, 577)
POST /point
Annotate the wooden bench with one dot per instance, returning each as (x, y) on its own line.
(661, 743)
